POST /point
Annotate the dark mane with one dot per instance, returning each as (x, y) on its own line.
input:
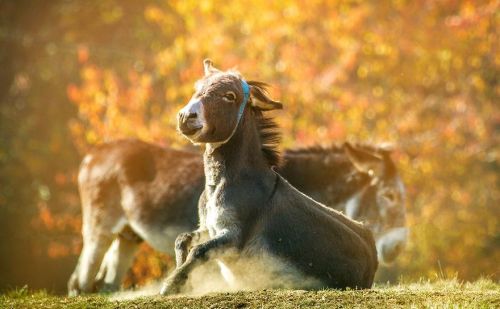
(338, 148)
(316, 149)
(270, 138)
(378, 148)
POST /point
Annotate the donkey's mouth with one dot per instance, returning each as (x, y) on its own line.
(191, 130)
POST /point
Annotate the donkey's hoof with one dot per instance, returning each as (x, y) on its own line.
(108, 288)
(169, 288)
(73, 292)
(73, 288)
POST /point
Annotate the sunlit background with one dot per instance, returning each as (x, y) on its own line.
(422, 75)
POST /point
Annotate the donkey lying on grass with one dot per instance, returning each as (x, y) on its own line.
(247, 210)
(140, 191)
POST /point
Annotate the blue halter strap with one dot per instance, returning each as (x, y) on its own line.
(246, 96)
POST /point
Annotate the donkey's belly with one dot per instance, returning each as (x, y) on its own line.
(161, 238)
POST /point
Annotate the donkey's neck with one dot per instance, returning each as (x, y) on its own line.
(241, 155)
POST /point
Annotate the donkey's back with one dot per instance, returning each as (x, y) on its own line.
(144, 180)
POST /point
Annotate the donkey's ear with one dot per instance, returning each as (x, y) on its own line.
(364, 161)
(208, 66)
(259, 98)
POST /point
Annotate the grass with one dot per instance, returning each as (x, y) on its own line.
(424, 294)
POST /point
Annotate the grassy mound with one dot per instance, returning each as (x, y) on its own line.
(441, 294)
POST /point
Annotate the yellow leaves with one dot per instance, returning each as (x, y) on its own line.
(206, 6)
(475, 62)
(153, 13)
(478, 82)
(90, 73)
(362, 72)
(113, 14)
(468, 9)
(383, 49)
(292, 11)
(91, 137)
(377, 91)
(444, 55)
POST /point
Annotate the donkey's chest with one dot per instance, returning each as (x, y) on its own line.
(220, 217)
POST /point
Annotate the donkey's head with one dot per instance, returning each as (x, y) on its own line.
(381, 205)
(218, 104)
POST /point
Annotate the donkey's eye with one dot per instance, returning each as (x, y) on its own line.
(229, 96)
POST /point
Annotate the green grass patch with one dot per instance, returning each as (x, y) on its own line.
(424, 294)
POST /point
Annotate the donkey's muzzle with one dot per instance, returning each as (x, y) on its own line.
(392, 244)
(188, 123)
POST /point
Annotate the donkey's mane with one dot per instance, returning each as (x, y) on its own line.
(337, 148)
(270, 138)
(316, 150)
(270, 135)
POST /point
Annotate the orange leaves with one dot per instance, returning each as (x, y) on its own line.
(45, 216)
(50, 221)
(110, 107)
(148, 265)
(154, 14)
(57, 250)
(82, 54)
(73, 92)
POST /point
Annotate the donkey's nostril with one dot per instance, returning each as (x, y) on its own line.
(188, 123)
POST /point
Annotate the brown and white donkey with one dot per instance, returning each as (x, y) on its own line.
(133, 191)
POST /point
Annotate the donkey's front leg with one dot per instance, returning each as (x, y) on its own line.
(185, 241)
(197, 256)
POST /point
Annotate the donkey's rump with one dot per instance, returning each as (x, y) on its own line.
(319, 242)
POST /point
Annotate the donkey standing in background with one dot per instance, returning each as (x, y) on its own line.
(132, 191)
(247, 210)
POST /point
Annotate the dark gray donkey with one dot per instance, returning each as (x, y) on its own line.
(248, 211)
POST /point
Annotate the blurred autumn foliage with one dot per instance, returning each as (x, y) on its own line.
(422, 75)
